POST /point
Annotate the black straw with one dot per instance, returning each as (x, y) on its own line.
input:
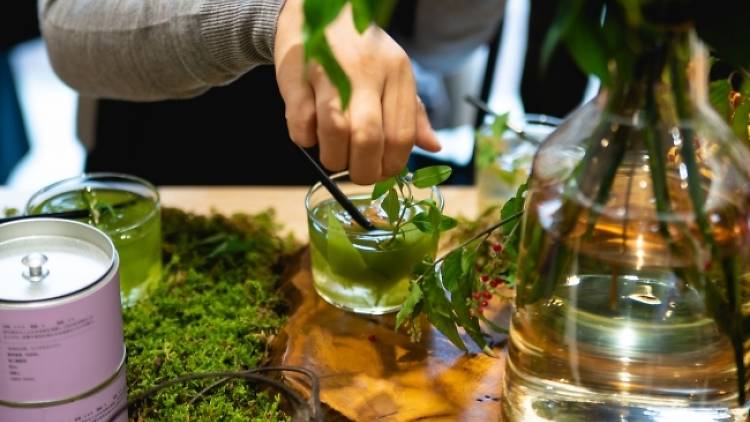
(337, 194)
(476, 102)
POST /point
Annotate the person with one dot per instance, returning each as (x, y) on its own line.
(147, 50)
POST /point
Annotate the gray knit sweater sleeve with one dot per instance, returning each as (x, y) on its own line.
(148, 50)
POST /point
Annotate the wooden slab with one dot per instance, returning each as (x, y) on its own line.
(369, 372)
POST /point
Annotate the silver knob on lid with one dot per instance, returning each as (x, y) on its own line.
(35, 267)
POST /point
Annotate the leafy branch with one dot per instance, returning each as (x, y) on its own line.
(597, 40)
(732, 101)
(455, 290)
(490, 145)
(321, 13)
(398, 199)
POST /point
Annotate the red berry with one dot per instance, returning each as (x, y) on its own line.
(485, 278)
(477, 295)
(496, 281)
(372, 338)
(484, 304)
(487, 295)
(497, 247)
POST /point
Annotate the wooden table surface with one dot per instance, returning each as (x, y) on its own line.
(287, 201)
(369, 372)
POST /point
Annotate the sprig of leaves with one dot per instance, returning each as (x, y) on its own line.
(599, 33)
(321, 13)
(490, 145)
(97, 207)
(398, 199)
(733, 104)
(453, 291)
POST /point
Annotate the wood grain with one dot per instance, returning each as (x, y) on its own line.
(370, 372)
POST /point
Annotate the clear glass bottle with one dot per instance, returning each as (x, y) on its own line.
(634, 270)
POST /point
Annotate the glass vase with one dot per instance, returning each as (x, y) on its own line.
(634, 270)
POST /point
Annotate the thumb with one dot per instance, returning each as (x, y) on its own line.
(425, 137)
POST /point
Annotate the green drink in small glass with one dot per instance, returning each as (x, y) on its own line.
(360, 271)
(503, 159)
(125, 207)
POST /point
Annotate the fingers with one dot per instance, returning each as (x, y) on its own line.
(300, 117)
(298, 97)
(332, 123)
(399, 118)
(366, 154)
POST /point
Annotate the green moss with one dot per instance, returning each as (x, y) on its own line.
(216, 309)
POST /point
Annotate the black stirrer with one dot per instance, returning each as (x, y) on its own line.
(337, 194)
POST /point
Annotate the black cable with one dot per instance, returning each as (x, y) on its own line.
(307, 411)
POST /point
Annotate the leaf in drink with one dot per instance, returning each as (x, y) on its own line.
(392, 205)
(342, 256)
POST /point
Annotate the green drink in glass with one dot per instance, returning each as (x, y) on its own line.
(360, 271)
(503, 159)
(126, 208)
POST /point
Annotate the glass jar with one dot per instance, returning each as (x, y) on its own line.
(634, 270)
(125, 207)
(365, 272)
(502, 160)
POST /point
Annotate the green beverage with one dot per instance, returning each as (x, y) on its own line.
(503, 159)
(125, 208)
(366, 272)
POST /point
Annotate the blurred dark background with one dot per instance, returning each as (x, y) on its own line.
(236, 135)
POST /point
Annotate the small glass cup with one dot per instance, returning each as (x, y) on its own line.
(125, 207)
(498, 177)
(365, 272)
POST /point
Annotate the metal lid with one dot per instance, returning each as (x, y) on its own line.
(46, 258)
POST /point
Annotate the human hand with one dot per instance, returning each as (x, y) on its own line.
(385, 119)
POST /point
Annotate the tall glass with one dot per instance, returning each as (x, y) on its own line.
(364, 272)
(125, 207)
(507, 163)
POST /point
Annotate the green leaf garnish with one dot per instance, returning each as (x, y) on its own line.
(382, 187)
(431, 176)
(392, 205)
(447, 223)
(423, 223)
(342, 256)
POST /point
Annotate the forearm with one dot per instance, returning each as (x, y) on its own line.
(156, 49)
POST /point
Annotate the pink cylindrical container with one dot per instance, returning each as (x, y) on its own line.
(97, 405)
(61, 338)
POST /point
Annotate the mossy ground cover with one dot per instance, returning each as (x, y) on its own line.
(216, 309)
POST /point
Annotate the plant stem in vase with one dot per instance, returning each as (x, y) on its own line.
(634, 258)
